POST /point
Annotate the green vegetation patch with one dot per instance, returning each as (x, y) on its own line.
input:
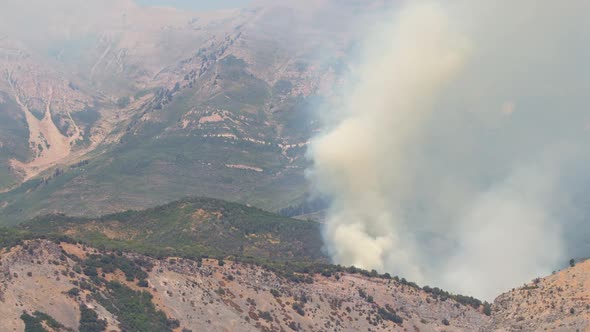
(135, 310)
(194, 227)
(10, 237)
(89, 321)
(34, 322)
(109, 263)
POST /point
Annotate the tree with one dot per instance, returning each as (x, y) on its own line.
(267, 316)
(487, 309)
(89, 321)
(74, 292)
(298, 307)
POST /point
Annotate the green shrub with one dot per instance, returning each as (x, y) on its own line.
(89, 321)
(267, 316)
(298, 307)
(74, 292)
(487, 309)
(32, 324)
(135, 310)
(390, 315)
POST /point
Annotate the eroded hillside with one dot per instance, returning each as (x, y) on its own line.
(218, 104)
(67, 286)
(135, 293)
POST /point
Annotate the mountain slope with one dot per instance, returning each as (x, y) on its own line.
(218, 104)
(194, 227)
(13, 140)
(64, 286)
(72, 286)
(559, 302)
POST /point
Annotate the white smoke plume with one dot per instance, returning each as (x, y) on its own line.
(458, 153)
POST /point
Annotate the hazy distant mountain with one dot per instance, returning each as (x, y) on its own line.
(117, 106)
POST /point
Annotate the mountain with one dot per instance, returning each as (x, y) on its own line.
(559, 302)
(201, 262)
(118, 106)
(194, 227)
(66, 286)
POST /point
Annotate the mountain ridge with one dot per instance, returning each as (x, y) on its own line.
(237, 89)
(126, 252)
(55, 284)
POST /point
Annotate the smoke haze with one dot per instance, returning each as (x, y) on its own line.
(459, 152)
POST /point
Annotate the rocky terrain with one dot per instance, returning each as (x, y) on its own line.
(559, 302)
(202, 263)
(58, 279)
(72, 287)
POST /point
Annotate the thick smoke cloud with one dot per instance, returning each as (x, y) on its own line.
(458, 156)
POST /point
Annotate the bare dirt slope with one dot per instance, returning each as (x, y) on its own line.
(39, 277)
(559, 302)
(42, 277)
(48, 144)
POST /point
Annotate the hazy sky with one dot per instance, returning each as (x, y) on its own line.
(196, 4)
